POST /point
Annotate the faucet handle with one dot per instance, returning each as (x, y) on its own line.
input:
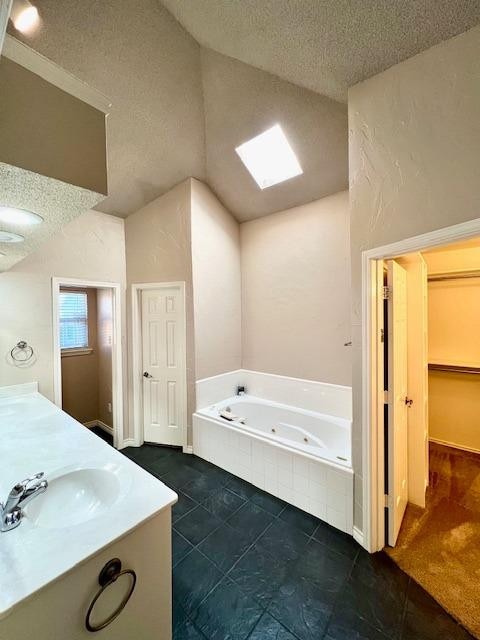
(21, 488)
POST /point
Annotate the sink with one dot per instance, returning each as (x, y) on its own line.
(74, 497)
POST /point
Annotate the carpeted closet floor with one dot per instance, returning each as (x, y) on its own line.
(440, 546)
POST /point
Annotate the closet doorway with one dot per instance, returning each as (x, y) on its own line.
(425, 411)
(87, 354)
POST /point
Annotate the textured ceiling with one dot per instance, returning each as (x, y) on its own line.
(324, 45)
(138, 55)
(241, 102)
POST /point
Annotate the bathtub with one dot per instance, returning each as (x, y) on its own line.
(300, 455)
(316, 434)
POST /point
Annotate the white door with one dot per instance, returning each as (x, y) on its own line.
(164, 367)
(397, 399)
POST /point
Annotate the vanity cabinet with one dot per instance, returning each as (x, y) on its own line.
(58, 611)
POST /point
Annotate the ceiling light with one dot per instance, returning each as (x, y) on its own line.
(24, 16)
(7, 236)
(270, 158)
(19, 216)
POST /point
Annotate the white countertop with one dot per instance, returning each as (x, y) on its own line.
(35, 435)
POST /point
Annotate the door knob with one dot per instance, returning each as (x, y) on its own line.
(147, 375)
(408, 401)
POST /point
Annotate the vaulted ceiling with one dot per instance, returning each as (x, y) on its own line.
(324, 45)
(180, 108)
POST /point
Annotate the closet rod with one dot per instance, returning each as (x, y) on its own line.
(453, 368)
(453, 275)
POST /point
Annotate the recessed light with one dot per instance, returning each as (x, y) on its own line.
(19, 216)
(24, 16)
(7, 236)
(269, 158)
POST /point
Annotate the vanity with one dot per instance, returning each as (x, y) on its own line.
(91, 554)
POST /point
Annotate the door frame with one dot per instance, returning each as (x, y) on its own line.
(373, 535)
(117, 364)
(136, 359)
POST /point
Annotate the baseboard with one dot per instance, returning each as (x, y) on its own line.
(358, 536)
(100, 424)
(128, 442)
(188, 448)
(453, 445)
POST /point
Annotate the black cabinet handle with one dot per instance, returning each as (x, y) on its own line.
(108, 575)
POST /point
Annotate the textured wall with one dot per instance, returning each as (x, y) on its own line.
(91, 247)
(149, 66)
(80, 373)
(158, 249)
(216, 285)
(240, 103)
(296, 292)
(414, 141)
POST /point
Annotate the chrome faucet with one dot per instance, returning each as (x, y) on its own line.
(11, 512)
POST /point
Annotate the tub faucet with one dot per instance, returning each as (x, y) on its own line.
(241, 391)
(20, 495)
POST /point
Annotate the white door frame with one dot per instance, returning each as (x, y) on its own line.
(136, 359)
(117, 368)
(372, 417)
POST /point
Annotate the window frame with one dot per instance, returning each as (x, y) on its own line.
(81, 350)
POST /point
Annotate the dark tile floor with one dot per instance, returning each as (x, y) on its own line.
(247, 565)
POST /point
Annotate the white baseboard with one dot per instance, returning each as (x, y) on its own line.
(358, 536)
(128, 442)
(100, 424)
(453, 445)
(187, 448)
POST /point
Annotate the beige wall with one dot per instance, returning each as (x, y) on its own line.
(296, 292)
(80, 372)
(414, 141)
(158, 249)
(454, 399)
(91, 247)
(50, 132)
(216, 284)
(104, 350)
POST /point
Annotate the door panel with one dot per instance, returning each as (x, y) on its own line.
(164, 385)
(397, 395)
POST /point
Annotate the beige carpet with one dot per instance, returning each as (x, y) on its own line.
(440, 546)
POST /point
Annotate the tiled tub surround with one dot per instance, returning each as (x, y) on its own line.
(316, 478)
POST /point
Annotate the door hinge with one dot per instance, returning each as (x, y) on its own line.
(385, 397)
(382, 335)
(386, 293)
(387, 501)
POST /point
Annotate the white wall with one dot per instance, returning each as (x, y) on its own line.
(216, 284)
(91, 247)
(296, 292)
(414, 141)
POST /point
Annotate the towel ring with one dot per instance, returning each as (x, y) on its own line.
(21, 348)
(108, 575)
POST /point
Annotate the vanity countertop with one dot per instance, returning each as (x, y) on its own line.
(35, 435)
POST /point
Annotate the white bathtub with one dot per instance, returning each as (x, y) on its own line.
(299, 455)
(317, 434)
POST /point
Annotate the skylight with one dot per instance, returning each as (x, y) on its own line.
(269, 158)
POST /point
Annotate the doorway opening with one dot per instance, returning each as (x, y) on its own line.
(159, 370)
(87, 355)
(422, 408)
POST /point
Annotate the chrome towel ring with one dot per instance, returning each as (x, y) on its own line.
(108, 575)
(22, 352)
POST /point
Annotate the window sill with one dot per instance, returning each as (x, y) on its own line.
(76, 352)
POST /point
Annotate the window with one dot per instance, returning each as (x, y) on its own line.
(270, 158)
(73, 320)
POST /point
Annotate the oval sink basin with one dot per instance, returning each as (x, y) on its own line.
(73, 498)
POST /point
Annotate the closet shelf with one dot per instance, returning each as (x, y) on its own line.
(454, 368)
